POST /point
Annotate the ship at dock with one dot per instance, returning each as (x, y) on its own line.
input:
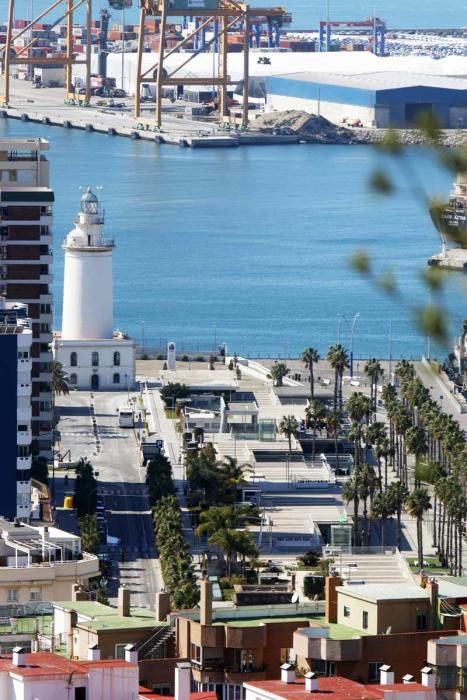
(450, 220)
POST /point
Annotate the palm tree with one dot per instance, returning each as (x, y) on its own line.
(289, 427)
(417, 504)
(59, 379)
(351, 493)
(333, 423)
(382, 508)
(338, 359)
(232, 474)
(366, 483)
(310, 357)
(415, 442)
(383, 451)
(315, 414)
(374, 371)
(359, 408)
(398, 493)
(277, 372)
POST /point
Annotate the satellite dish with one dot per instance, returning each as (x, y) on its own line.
(295, 597)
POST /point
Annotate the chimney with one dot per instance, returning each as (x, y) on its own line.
(162, 606)
(19, 656)
(386, 675)
(287, 673)
(94, 653)
(183, 681)
(432, 590)
(428, 677)
(131, 654)
(34, 646)
(78, 593)
(408, 679)
(331, 598)
(206, 602)
(311, 682)
(123, 602)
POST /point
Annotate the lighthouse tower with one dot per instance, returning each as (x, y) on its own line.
(93, 355)
(87, 297)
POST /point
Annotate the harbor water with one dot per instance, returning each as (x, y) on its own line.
(251, 245)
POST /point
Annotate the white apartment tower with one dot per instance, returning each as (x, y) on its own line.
(93, 356)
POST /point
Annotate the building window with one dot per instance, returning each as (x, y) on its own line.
(22, 428)
(364, 620)
(117, 359)
(162, 689)
(446, 677)
(422, 622)
(95, 359)
(23, 450)
(120, 650)
(73, 379)
(373, 671)
(23, 355)
(35, 595)
(23, 475)
(74, 359)
(80, 693)
(116, 378)
(346, 611)
(195, 653)
(12, 595)
(323, 667)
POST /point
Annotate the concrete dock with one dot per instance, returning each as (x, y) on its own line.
(46, 106)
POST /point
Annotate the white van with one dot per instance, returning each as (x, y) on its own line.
(126, 418)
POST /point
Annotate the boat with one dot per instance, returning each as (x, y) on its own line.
(450, 219)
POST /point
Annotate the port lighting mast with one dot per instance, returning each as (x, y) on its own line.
(10, 56)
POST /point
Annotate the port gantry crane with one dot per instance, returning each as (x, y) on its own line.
(10, 56)
(222, 14)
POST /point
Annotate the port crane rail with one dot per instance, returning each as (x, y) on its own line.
(9, 56)
(225, 16)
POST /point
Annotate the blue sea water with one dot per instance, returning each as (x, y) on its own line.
(250, 245)
(306, 14)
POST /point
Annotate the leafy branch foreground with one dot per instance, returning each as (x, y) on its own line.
(431, 318)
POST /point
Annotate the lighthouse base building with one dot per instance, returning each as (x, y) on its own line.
(92, 354)
(97, 364)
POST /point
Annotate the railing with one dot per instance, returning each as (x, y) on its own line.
(333, 551)
(164, 630)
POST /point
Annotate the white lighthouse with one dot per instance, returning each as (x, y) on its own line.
(92, 354)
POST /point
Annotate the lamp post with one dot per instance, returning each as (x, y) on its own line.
(123, 46)
(357, 315)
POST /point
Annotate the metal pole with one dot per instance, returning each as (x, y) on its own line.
(390, 351)
(30, 50)
(246, 69)
(88, 49)
(160, 66)
(222, 98)
(69, 48)
(6, 63)
(123, 47)
(351, 343)
(142, 19)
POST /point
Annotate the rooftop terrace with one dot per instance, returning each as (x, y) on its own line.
(99, 617)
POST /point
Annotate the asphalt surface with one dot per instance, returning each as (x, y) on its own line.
(114, 454)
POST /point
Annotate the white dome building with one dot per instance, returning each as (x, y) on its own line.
(93, 356)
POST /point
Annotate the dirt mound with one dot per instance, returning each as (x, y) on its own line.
(309, 126)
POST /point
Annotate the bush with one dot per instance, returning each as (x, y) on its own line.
(199, 358)
(145, 357)
(160, 357)
(185, 358)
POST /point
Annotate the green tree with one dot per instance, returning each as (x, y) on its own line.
(315, 415)
(59, 379)
(417, 504)
(334, 426)
(289, 427)
(374, 372)
(159, 478)
(338, 358)
(171, 392)
(310, 357)
(85, 488)
(89, 531)
(367, 483)
(416, 444)
(398, 494)
(359, 409)
(382, 508)
(351, 494)
(277, 373)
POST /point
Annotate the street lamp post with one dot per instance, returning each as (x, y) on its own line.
(123, 46)
(357, 315)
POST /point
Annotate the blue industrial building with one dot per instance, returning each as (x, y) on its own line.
(376, 99)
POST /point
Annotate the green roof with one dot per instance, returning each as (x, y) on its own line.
(102, 617)
(340, 632)
(256, 621)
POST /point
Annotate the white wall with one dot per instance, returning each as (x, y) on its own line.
(330, 110)
(106, 368)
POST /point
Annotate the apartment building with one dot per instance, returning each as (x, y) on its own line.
(25, 259)
(41, 563)
(15, 410)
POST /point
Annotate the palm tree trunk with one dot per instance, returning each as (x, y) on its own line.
(313, 449)
(385, 471)
(435, 512)
(355, 519)
(336, 381)
(383, 531)
(399, 528)
(312, 382)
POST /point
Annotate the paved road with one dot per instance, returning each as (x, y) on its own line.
(115, 456)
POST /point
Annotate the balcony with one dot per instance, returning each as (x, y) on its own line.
(46, 259)
(45, 416)
(245, 637)
(244, 675)
(45, 337)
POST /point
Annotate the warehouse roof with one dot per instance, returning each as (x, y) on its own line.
(384, 80)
